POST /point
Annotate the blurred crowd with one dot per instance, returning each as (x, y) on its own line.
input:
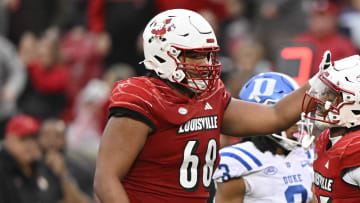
(60, 59)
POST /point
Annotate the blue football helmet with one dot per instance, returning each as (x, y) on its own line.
(268, 88)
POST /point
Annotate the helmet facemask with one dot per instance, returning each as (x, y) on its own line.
(198, 77)
(305, 130)
(325, 101)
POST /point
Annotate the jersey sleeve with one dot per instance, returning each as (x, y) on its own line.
(237, 161)
(132, 98)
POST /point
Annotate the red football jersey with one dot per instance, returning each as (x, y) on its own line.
(329, 165)
(179, 157)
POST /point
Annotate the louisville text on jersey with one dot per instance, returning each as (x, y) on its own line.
(199, 124)
(323, 182)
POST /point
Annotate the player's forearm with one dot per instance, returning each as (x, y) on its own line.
(288, 109)
(110, 190)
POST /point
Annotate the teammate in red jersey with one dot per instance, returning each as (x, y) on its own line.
(162, 138)
(333, 102)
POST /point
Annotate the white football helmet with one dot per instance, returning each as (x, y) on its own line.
(334, 98)
(176, 33)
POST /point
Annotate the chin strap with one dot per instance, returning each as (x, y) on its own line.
(285, 142)
(306, 127)
(307, 142)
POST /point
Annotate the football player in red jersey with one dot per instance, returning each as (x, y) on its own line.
(333, 102)
(162, 138)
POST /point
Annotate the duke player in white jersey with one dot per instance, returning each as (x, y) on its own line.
(272, 168)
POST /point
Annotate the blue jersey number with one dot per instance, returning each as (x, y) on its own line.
(291, 191)
(226, 174)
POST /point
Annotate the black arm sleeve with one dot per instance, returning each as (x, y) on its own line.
(124, 112)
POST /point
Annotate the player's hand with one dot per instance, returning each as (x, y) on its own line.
(325, 64)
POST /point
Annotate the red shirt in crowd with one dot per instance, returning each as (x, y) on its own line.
(49, 80)
(339, 46)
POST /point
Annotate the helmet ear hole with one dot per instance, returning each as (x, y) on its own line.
(356, 112)
(159, 59)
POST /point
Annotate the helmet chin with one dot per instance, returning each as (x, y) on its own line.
(321, 125)
(197, 85)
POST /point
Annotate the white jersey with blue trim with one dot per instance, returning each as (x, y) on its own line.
(268, 178)
(311, 155)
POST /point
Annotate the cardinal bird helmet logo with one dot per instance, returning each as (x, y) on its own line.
(161, 28)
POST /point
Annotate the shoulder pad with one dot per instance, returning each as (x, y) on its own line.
(134, 94)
